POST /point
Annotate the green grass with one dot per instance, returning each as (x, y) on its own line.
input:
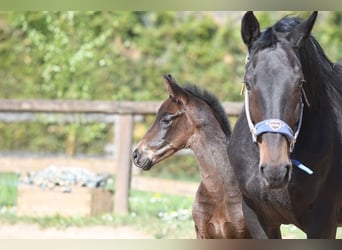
(169, 216)
(292, 232)
(8, 189)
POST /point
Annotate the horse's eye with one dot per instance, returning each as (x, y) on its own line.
(247, 85)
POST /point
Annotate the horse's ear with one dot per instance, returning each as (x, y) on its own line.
(299, 34)
(250, 28)
(175, 91)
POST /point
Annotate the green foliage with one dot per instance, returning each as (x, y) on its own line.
(122, 55)
(114, 55)
(45, 138)
(330, 36)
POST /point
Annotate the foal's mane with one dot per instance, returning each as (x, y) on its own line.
(213, 103)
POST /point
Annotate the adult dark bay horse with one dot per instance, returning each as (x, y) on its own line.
(193, 118)
(286, 147)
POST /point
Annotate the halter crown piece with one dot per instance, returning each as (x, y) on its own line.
(277, 126)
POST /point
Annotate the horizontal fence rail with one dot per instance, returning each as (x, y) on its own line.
(120, 113)
(109, 107)
(62, 118)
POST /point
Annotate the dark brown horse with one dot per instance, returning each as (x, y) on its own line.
(286, 147)
(193, 118)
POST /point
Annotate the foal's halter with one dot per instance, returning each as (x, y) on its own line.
(277, 126)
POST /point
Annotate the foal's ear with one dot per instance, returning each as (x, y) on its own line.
(175, 91)
(250, 28)
(299, 34)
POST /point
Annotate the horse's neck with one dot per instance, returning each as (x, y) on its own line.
(210, 150)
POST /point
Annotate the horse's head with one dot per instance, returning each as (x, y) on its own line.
(273, 97)
(170, 131)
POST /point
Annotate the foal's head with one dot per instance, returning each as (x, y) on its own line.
(176, 121)
(273, 81)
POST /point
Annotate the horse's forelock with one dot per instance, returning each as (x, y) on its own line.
(269, 37)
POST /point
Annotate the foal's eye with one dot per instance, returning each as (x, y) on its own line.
(167, 119)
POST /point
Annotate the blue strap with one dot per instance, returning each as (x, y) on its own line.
(274, 126)
(301, 166)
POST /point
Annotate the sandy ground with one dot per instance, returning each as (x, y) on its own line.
(28, 231)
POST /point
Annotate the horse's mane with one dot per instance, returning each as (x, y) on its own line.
(321, 74)
(324, 76)
(213, 102)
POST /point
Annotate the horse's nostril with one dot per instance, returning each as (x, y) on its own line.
(135, 154)
(287, 168)
(288, 171)
(262, 168)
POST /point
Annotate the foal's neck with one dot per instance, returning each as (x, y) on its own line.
(210, 149)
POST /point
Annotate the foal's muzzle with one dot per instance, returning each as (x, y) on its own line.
(141, 161)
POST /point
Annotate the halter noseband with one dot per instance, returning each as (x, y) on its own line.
(277, 126)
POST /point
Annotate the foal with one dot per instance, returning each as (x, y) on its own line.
(193, 118)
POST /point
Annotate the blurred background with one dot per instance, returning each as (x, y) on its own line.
(117, 56)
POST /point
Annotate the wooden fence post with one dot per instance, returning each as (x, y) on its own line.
(123, 134)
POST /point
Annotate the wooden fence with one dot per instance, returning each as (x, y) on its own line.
(123, 113)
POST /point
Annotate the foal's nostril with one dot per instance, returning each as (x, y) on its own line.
(135, 155)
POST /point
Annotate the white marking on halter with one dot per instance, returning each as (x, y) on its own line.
(275, 125)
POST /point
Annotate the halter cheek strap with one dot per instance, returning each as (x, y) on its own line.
(277, 126)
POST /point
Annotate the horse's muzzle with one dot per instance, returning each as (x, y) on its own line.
(275, 165)
(140, 161)
(276, 177)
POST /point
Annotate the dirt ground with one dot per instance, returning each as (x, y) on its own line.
(28, 231)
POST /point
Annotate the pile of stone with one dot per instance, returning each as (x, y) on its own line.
(64, 178)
